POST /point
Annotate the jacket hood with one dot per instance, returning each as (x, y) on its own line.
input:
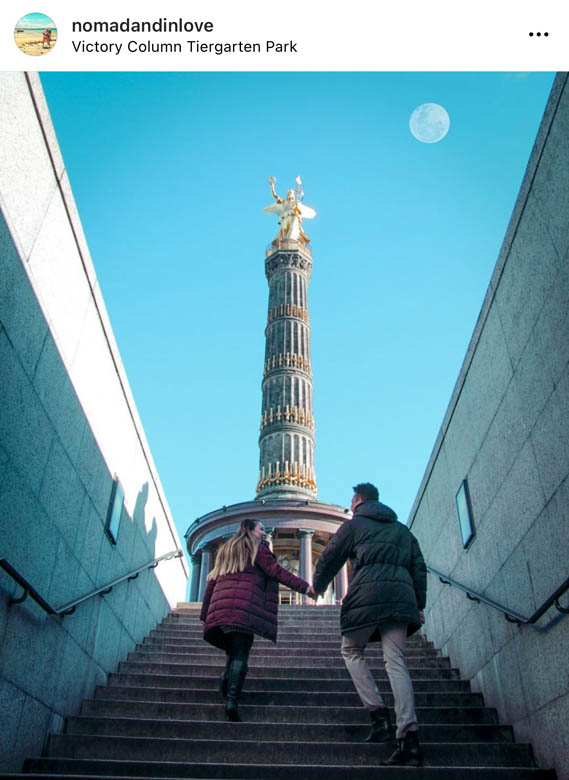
(376, 511)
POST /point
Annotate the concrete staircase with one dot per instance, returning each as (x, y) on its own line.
(161, 714)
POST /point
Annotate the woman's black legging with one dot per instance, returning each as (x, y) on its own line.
(238, 646)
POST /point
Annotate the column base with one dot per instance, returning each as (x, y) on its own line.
(284, 492)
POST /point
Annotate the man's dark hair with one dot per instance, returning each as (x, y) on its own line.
(367, 490)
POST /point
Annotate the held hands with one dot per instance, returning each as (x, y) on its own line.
(311, 593)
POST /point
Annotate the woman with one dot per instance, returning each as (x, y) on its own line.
(241, 600)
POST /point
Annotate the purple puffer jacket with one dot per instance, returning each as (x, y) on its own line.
(249, 599)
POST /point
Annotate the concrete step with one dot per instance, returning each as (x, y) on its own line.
(306, 616)
(331, 628)
(73, 769)
(332, 643)
(252, 751)
(179, 663)
(297, 685)
(303, 626)
(334, 637)
(304, 632)
(292, 640)
(284, 609)
(155, 644)
(306, 624)
(190, 606)
(301, 678)
(304, 731)
(307, 628)
(275, 714)
(311, 667)
(314, 679)
(128, 689)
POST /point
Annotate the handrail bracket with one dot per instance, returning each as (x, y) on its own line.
(20, 599)
(563, 610)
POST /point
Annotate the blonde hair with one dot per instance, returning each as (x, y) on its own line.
(237, 553)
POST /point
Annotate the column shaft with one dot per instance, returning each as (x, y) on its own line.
(286, 442)
(194, 578)
(204, 571)
(305, 536)
(341, 583)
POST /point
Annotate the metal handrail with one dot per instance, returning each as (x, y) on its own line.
(69, 608)
(510, 615)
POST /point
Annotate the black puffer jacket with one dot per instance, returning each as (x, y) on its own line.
(389, 577)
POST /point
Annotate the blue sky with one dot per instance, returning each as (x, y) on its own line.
(169, 171)
(33, 21)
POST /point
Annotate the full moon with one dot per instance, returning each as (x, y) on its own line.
(429, 123)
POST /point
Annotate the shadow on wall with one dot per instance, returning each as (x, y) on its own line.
(49, 664)
(139, 518)
(103, 563)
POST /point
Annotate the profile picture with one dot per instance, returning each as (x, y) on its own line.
(35, 34)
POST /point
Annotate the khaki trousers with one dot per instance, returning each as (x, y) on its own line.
(394, 641)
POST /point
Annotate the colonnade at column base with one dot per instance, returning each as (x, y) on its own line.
(298, 528)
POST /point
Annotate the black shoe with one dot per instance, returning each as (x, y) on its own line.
(381, 728)
(232, 712)
(407, 752)
(235, 680)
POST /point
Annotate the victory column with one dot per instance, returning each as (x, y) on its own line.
(299, 527)
(287, 442)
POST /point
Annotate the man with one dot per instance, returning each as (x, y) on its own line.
(385, 602)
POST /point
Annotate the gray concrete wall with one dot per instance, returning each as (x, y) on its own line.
(507, 430)
(67, 425)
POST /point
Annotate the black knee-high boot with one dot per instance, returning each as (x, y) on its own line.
(223, 680)
(235, 679)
